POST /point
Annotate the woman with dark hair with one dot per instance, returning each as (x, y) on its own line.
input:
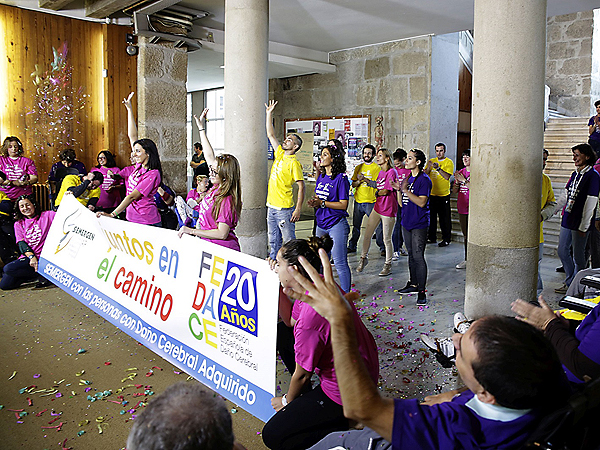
(331, 201)
(579, 202)
(220, 208)
(413, 195)
(142, 180)
(110, 191)
(31, 229)
(384, 211)
(20, 171)
(306, 414)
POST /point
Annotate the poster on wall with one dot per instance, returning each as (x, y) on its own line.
(317, 128)
(208, 310)
(305, 154)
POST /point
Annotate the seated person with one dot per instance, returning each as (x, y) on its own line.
(68, 165)
(31, 229)
(8, 246)
(579, 352)
(86, 189)
(512, 373)
(165, 199)
(576, 289)
(188, 210)
(186, 416)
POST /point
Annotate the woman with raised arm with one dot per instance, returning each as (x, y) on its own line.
(220, 209)
(20, 171)
(142, 179)
(306, 414)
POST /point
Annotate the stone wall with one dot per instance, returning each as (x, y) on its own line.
(569, 62)
(595, 89)
(392, 79)
(162, 107)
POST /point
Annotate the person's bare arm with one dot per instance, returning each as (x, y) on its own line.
(298, 210)
(221, 232)
(299, 382)
(270, 130)
(128, 200)
(441, 171)
(209, 153)
(360, 397)
(316, 202)
(132, 131)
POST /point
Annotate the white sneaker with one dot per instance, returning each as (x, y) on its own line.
(396, 256)
(462, 265)
(461, 323)
(445, 346)
(183, 208)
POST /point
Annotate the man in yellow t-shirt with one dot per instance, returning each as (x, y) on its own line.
(364, 195)
(286, 170)
(439, 170)
(548, 205)
(86, 190)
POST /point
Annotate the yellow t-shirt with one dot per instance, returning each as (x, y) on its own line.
(72, 181)
(364, 193)
(440, 186)
(285, 172)
(3, 197)
(547, 196)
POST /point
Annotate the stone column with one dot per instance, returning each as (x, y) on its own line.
(506, 163)
(162, 106)
(246, 57)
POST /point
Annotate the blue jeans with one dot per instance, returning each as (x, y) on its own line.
(361, 210)
(280, 227)
(415, 241)
(16, 273)
(397, 239)
(575, 263)
(339, 233)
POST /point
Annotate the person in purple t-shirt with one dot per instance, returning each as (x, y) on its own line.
(331, 202)
(20, 171)
(384, 211)
(594, 130)
(512, 375)
(413, 195)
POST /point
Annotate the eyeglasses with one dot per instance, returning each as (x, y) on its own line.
(212, 170)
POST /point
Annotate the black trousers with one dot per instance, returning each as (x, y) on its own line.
(440, 206)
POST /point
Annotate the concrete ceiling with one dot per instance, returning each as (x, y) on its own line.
(303, 32)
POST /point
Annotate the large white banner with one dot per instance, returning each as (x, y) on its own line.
(208, 310)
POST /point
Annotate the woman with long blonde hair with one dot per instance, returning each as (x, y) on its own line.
(220, 209)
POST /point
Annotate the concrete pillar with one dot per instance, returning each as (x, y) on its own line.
(162, 106)
(506, 161)
(246, 79)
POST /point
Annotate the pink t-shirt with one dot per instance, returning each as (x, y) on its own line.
(194, 195)
(146, 182)
(17, 169)
(314, 352)
(403, 174)
(387, 205)
(113, 198)
(462, 200)
(34, 231)
(227, 214)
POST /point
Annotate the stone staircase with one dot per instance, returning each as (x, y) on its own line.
(561, 134)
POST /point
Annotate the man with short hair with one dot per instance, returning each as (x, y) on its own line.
(86, 190)
(185, 416)
(364, 195)
(286, 170)
(439, 170)
(198, 163)
(511, 372)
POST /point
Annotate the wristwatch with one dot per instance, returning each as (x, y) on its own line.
(322, 203)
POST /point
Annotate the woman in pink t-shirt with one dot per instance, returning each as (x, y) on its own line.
(31, 229)
(384, 211)
(220, 209)
(110, 191)
(20, 171)
(305, 414)
(142, 180)
(462, 182)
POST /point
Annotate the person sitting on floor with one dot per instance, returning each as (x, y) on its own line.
(512, 373)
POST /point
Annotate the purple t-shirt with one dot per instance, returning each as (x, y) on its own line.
(387, 205)
(331, 191)
(588, 335)
(314, 352)
(413, 216)
(458, 424)
(462, 200)
(596, 134)
(227, 214)
(34, 231)
(113, 198)
(146, 182)
(17, 169)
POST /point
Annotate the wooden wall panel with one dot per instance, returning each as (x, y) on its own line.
(27, 39)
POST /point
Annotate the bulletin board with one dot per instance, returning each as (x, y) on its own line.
(352, 131)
